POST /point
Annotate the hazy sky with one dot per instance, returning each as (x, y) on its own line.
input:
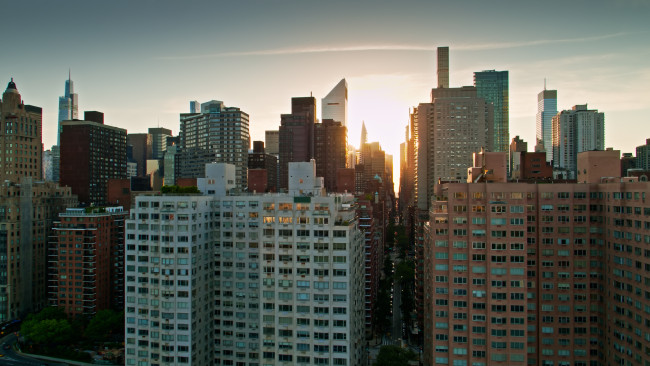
(141, 62)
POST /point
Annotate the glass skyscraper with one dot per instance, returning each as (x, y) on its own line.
(492, 86)
(546, 110)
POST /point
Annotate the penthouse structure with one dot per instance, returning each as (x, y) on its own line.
(545, 274)
(281, 275)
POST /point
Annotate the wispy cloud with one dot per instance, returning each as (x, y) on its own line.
(539, 42)
(304, 50)
(387, 47)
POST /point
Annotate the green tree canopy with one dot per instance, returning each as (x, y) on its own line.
(104, 323)
(47, 331)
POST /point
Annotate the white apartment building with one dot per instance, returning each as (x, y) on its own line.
(284, 282)
(169, 282)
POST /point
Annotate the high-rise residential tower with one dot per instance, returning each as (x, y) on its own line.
(21, 152)
(99, 249)
(454, 125)
(274, 279)
(91, 154)
(219, 131)
(574, 131)
(335, 104)
(546, 110)
(643, 156)
(492, 86)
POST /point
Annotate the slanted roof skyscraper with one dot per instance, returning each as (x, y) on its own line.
(335, 104)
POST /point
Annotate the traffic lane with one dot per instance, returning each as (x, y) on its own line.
(11, 358)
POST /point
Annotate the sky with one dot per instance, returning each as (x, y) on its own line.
(141, 62)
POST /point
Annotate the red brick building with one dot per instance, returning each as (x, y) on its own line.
(86, 260)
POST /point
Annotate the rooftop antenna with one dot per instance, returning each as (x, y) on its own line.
(544, 83)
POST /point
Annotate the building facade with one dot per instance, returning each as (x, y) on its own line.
(330, 150)
(642, 160)
(272, 142)
(27, 211)
(454, 125)
(86, 261)
(91, 154)
(493, 86)
(159, 137)
(296, 135)
(21, 147)
(574, 131)
(544, 274)
(220, 131)
(169, 281)
(259, 159)
(281, 275)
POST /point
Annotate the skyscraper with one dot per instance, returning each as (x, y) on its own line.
(220, 131)
(68, 110)
(272, 142)
(492, 86)
(330, 150)
(546, 110)
(574, 131)
(159, 137)
(296, 135)
(21, 154)
(454, 125)
(443, 67)
(68, 106)
(335, 104)
(91, 154)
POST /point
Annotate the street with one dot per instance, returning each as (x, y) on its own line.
(11, 357)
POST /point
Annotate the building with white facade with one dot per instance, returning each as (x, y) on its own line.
(282, 275)
(574, 131)
(169, 282)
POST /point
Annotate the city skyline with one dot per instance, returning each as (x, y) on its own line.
(143, 73)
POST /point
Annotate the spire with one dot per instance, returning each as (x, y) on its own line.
(12, 85)
(364, 134)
